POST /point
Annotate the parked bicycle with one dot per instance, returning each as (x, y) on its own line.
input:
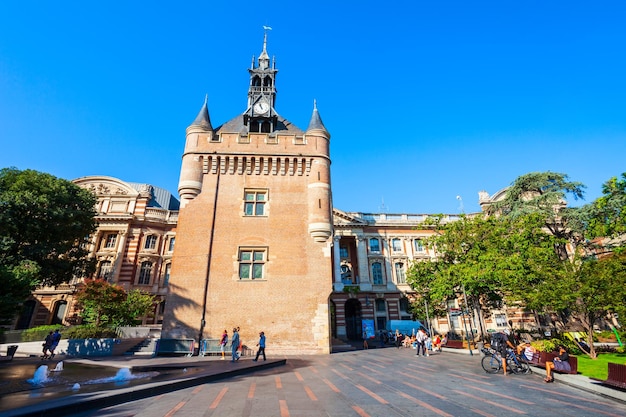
(492, 362)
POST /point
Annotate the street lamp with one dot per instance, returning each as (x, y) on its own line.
(465, 313)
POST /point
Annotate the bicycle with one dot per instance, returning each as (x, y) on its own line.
(492, 362)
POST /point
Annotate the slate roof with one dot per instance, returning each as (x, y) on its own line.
(161, 198)
(235, 125)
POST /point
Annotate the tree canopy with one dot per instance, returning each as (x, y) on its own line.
(608, 213)
(531, 248)
(105, 304)
(44, 222)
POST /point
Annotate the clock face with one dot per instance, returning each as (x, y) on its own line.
(261, 106)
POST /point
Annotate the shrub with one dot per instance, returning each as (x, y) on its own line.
(39, 333)
(90, 332)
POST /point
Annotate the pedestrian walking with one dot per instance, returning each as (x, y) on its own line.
(234, 345)
(56, 338)
(420, 339)
(223, 343)
(261, 346)
(46, 345)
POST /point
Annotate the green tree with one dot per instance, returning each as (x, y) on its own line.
(608, 213)
(44, 222)
(104, 304)
(17, 282)
(583, 285)
(137, 305)
(488, 257)
(545, 194)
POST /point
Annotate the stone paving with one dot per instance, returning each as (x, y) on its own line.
(375, 382)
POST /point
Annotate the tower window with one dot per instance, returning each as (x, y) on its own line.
(254, 202)
(252, 263)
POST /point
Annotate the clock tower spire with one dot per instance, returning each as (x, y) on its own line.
(260, 115)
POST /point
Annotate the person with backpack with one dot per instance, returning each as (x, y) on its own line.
(223, 343)
(500, 341)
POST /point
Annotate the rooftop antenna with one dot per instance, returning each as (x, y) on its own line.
(383, 208)
(461, 208)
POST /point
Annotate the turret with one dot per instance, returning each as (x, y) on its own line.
(320, 197)
(199, 130)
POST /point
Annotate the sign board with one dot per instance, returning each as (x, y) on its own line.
(368, 328)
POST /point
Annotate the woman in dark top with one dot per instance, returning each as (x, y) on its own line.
(560, 363)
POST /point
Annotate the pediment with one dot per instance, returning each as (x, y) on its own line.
(341, 218)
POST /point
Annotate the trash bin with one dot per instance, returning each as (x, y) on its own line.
(11, 350)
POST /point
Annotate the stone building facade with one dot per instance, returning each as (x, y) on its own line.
(132, 246)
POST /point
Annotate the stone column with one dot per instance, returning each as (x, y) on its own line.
(119, 256)
(337, 284)
(364, 273)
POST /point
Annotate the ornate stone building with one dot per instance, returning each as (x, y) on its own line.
(132, 246)
(255, 225)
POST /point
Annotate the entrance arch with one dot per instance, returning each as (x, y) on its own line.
(59, 312)
(353, 319)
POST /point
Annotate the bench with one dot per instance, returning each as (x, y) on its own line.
(10, 353)
(175, 347)
(617, 375)
(454, 344)
(541, 358)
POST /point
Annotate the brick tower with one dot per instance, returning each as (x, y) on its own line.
(253, 246)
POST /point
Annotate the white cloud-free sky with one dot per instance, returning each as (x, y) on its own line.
(425, 101)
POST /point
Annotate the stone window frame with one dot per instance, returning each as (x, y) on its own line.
(251, 206)
(380, 262)
(110, 241)
(144, 276)
(369, 244)
(150, 242)
(253, 267)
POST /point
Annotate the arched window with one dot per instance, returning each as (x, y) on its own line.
(166, 276)
(400, 276)
(28, 309)
(59, 312)
(145, 272)
(377, 273)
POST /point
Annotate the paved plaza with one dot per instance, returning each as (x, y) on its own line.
(376, 382)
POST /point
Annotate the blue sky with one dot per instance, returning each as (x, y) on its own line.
(425, 101)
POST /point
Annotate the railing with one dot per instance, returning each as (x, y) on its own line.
(402, 218)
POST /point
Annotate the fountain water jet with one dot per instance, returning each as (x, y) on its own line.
(41, 375)
(59, 367)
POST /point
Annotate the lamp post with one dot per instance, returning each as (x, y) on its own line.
(427, 318)
(469, 344)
